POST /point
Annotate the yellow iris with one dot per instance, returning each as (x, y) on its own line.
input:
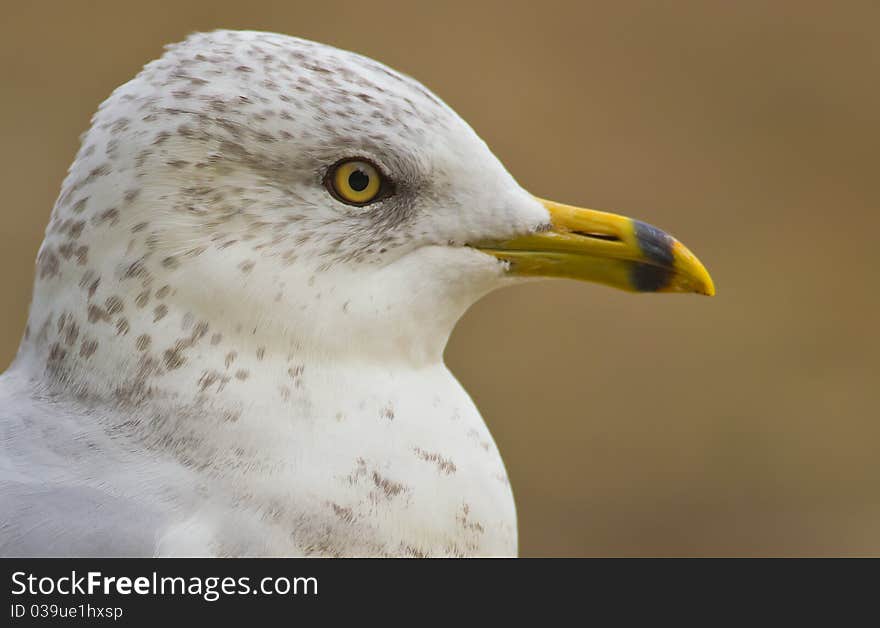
(356, 182)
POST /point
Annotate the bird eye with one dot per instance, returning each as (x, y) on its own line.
(354, 182)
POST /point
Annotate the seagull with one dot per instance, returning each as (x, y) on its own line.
(235, 342)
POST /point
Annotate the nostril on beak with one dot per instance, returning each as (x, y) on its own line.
(608, 237)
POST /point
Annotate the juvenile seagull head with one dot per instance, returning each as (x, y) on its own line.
(242, 301)
(255, 181)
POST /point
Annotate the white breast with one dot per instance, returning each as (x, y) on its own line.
(369, 463)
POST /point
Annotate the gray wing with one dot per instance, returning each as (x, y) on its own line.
(41, 519)
(67, 488)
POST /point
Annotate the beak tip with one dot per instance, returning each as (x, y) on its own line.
(704, 283)
(688, 265)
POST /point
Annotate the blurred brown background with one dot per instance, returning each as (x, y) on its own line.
(631, 425)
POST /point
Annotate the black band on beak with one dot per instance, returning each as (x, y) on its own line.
(656, 245)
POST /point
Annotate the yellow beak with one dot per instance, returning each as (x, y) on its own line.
(604, 248)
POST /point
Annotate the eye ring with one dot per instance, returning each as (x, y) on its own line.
(356, 182)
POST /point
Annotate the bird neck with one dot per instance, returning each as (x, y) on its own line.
(231, 348)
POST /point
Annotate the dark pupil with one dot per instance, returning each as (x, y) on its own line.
(358, 181)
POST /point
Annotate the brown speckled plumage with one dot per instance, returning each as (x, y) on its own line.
(259, 363)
